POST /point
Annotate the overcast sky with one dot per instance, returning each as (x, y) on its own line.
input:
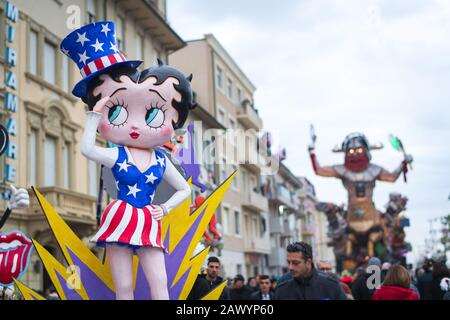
(375, 66)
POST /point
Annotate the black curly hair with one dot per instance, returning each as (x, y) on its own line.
(161, 72)
(302, 247)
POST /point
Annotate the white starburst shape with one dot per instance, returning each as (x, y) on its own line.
(160, 161)
(82, 38)
(113, 47)
(123, 166)
(83, 57)
(97, 45)
(133, 190)
(105, 29)
(65, 51)
(151, 178)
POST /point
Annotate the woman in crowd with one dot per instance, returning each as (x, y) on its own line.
(396, 285)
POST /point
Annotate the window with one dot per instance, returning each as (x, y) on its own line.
(2, 34)
(120, 33)
(237, 222)
(93, 177)
(50, 161)
(239, 95)
(219, 77)
(65, 73)
(33, 52)
(223, 173)
(225, 219)
(91, 11)
(254, 227)
(230, 88)
(49, 62)
(232, 124)
(221, 116)
(235, 180)
(223, 170)
(66, 166)
(139, 47)
(263, 226)
(54, 152)
(32, 148)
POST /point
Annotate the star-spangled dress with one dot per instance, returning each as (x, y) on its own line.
(128, 220)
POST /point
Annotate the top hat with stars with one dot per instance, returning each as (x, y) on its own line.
(93, 48)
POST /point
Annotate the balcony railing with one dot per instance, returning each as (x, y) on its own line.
(277, 257)
(253, 160)
(249, 117)
(276, 225)
(257, 245)
(288, 231)
(283, 196)
(255, 201)
(69, 204)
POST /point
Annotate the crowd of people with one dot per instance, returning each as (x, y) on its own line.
(314, 280)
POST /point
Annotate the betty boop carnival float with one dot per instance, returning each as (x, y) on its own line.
(137, 111)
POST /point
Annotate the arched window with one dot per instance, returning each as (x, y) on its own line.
(51, 146)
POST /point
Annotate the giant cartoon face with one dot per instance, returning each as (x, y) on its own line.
(138, 115)
(357, 154)
(15, 251)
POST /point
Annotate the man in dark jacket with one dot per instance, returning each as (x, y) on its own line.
(240, 291)
(211, 278)
(200, 289)
(424, 281)
(264, 292)
(308, 283)
(360, 288)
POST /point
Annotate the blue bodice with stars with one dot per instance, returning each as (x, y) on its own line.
(134, 186)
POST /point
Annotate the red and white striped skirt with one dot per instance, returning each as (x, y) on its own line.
(125, 224)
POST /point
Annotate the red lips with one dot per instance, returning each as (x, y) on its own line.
(15, 251)
(134, 135)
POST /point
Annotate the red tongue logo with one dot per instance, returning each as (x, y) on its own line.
(15, 251)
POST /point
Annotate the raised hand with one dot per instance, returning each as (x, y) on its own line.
(408, 158)
(19, 198)
(100, 105)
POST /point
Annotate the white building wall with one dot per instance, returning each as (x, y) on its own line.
(231, 260)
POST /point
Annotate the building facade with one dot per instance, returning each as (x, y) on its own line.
(49, 119)
(225, 93)
(313, 225)
(284, 210)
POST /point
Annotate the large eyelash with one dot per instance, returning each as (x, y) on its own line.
(160, 108)
(121, 103)
(117, 102)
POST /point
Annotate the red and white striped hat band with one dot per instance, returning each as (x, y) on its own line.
(102, 63)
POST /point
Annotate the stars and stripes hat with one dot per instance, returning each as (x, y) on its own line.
(93, 48)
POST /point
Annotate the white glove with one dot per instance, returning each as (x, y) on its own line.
(19, 198)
